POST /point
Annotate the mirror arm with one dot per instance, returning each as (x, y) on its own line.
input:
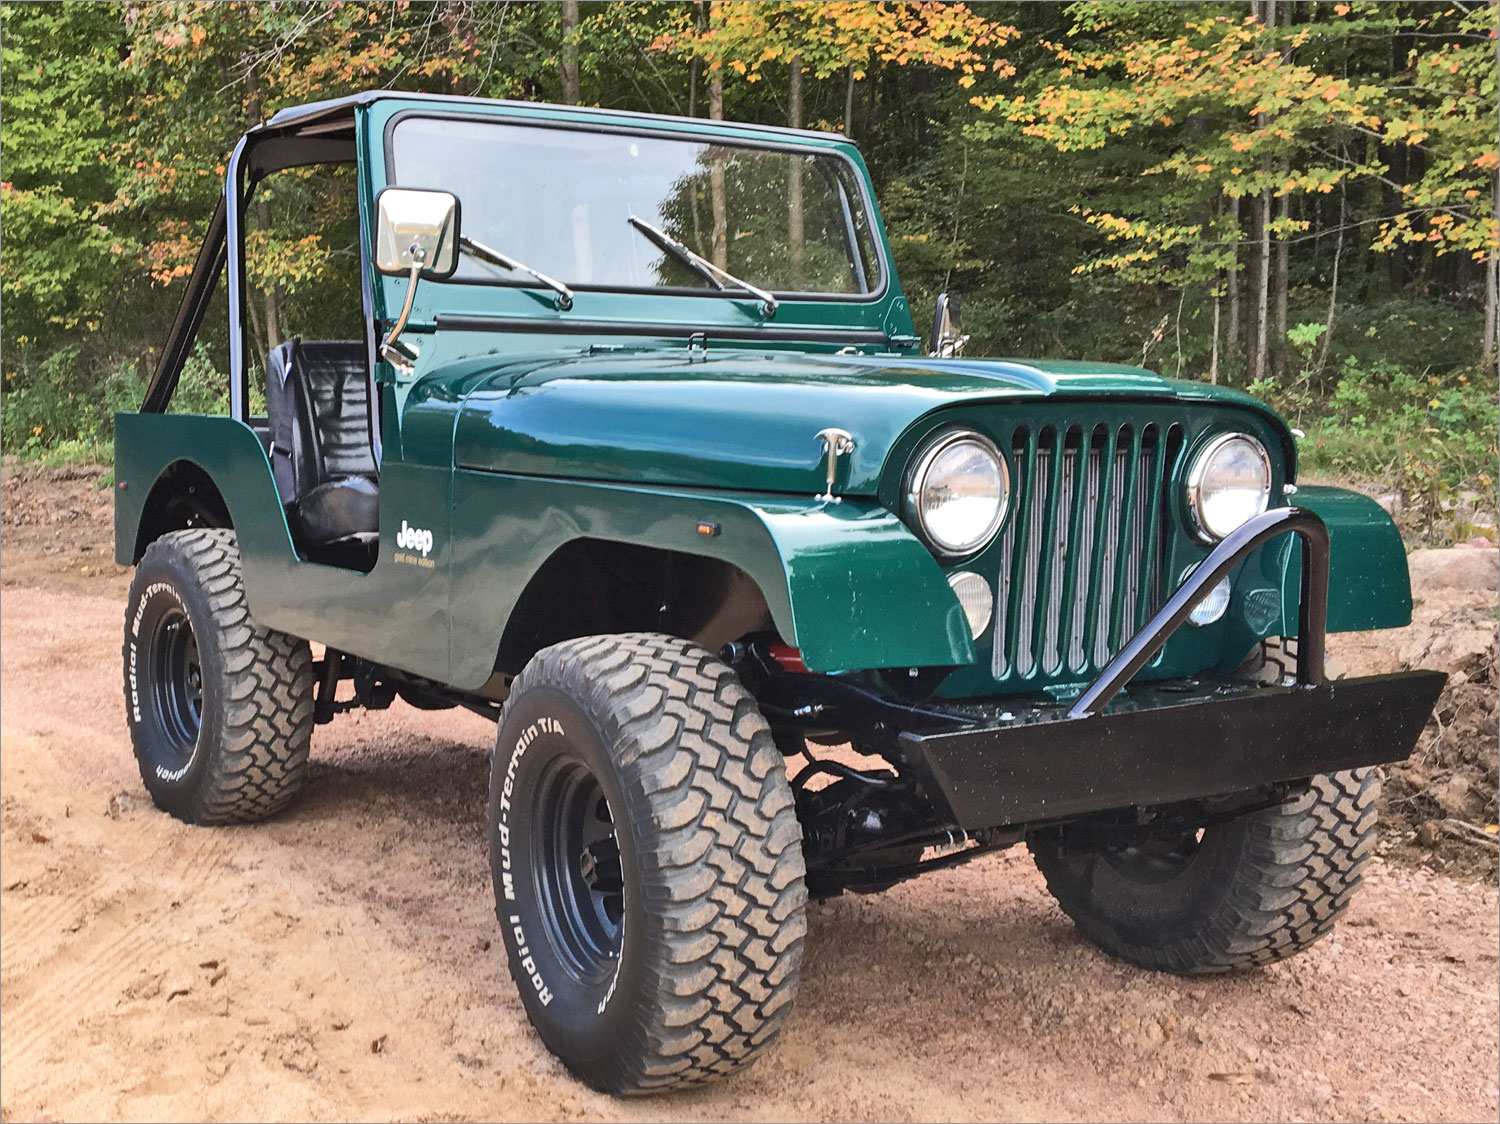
(401, 356)
(948, 338)
(949, 347)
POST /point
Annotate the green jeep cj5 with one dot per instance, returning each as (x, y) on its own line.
(633, 448)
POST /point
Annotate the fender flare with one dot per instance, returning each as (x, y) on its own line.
(846, 583)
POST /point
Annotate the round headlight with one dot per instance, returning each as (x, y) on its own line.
(958, 492)
(1229, 483)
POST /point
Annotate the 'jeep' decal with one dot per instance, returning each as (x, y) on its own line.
(414, 541)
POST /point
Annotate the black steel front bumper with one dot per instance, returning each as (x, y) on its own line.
(1010, 761)
(1169, 747)
(1161, 746)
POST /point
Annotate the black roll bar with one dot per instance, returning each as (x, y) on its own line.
(1312, 614)
(261, 151)
(199, 291)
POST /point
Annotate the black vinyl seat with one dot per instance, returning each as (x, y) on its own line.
(318, 399)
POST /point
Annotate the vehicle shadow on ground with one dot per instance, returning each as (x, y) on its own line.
(951, 948)
(427, 779)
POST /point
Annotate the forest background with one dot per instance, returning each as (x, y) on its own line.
(1295, 197)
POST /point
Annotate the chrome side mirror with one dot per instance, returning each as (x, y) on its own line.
(416, 227)
(948, 337)
(416, 232)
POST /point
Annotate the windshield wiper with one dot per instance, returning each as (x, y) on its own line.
(702, 265)
(480, 250)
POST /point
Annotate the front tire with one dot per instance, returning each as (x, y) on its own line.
(220, 709)
(1236, 895)
(647, 862)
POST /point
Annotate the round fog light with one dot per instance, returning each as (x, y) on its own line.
(1213, 605)
(976, 597)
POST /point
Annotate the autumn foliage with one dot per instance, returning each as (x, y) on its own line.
(1260, 193)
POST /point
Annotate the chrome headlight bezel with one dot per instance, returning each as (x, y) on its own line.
(1198, 469)
(916, 482)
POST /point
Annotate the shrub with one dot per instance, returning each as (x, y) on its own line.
(1429, 437)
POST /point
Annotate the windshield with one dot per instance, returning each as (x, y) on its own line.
(560, 200)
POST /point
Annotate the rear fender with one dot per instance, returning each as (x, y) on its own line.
(227, 451)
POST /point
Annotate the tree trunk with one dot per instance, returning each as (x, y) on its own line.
(1491, 310)
(1252, 268)
(700, 21)
(569, 64)
(1282, 282)
(1261, 366)
(1213, 356)
(1491, 296)
(794, 223)
(849, 105)
(1232, 335)
(1260, 318)
(1333, 284)
(720, 247)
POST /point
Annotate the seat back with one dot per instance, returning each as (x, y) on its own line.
(318, 399)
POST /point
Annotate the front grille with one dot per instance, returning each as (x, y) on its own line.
(1081, 555)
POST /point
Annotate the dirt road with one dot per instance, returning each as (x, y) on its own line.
(343, 961)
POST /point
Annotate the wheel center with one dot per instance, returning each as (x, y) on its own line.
(600, 866)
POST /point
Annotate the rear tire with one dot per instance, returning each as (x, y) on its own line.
(647, 862)
(1240, 894)
(220, 709)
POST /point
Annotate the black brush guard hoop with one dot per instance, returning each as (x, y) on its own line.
(1312, 616)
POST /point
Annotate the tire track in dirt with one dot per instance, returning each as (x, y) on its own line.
(107, 939)
(77, 980)
(32, 925)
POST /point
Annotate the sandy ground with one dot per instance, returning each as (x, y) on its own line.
(344, 962)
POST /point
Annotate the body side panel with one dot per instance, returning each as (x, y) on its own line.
(845, 582)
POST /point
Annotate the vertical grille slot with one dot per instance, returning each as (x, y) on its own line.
(1081, 551)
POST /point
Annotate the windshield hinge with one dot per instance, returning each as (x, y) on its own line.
(698, 347)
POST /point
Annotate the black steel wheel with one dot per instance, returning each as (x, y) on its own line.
(580, 886)
(175, 678)
(219, 709)
(647, 862)
(1233, 895)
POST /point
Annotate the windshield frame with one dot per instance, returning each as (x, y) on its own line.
(705, 136)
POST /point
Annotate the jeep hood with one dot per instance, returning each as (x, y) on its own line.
(746, 420)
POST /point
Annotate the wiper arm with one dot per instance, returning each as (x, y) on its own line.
(480, 250)
(702, 265)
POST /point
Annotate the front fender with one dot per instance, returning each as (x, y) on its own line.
(846, 583)
(1368, 584)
